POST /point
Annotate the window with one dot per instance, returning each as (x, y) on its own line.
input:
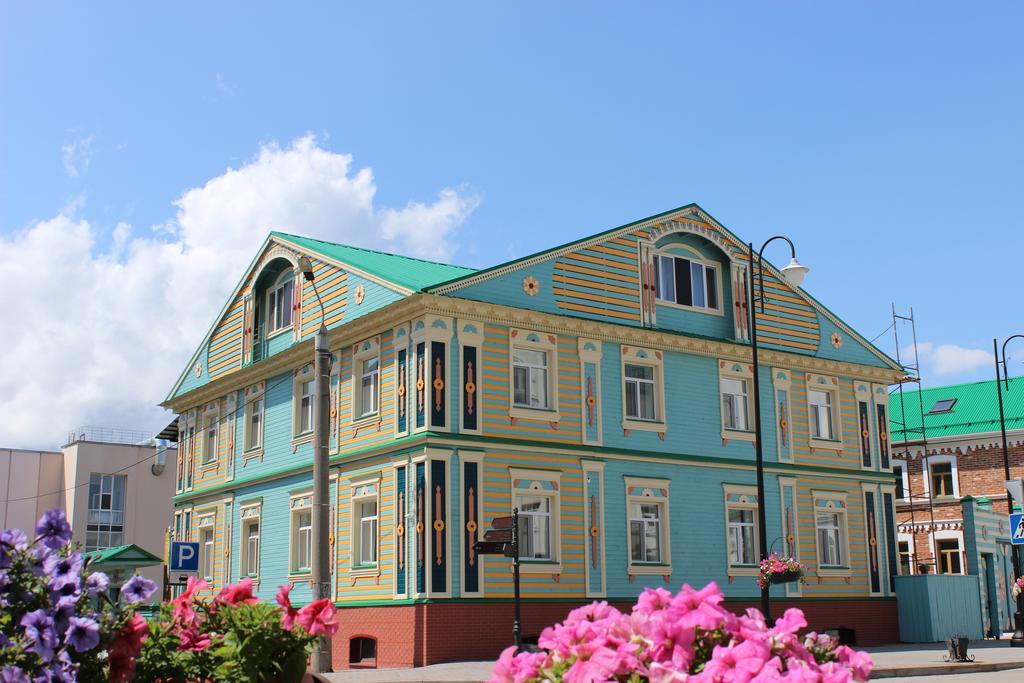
(279, 305)
(897, 471)
(254, 423)
(830, 526)
(640, 392)
(249, 558)
(304, 421)
(820, 403)
(947, 551)
(369, 386)
(534, 527)
(906, 562)
(648, 526)
(941, 479)
(530, 378)
(105, 527)
(206, 552)
(210, 441)
(362, 651)
(368, 532)
(734, 404)
(645, 532)
(301, 533)
(686, 282)
(944, 405)
(304, 541)
(742, 537)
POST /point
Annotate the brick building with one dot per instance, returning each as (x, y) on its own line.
(956, 454)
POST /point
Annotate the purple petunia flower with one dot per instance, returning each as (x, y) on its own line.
(12, 674)
(11, 540)
(137, 589)
(64, 572)
(83, 634)
(38, 557)
(53, 529)
(39, 630)
(63, 612)
(97, 583)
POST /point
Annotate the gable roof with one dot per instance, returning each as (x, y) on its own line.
(129, 555)
(404, 271)
(976, 410)
(688, 209)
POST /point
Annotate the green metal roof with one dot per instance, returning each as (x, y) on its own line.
(404, 271)
(976, 410)
(129, 555)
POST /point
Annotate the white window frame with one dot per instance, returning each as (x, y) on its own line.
(105, 518)
(210, 446)
(691, 255)
(741, 372)
(300, 504)
(207, 524)
(356, 564)
(362, 353)
(303, 375)
(255, 403)
(285, 279)
(902, 464)
(948, 535)
(829, 385)
(553, 565)
(844, 568)
(654, 358)
(909, 540)
(748, 502)
(927, 464)
(646, 486)
(531, 340)
(250, 515)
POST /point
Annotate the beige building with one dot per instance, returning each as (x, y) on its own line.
(115, 486)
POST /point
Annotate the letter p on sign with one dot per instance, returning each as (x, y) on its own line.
(184, 556)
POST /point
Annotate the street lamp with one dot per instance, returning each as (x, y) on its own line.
(1000, 354)
(794, 274)
(321, 541)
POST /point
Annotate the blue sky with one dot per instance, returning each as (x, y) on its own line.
(885, 139)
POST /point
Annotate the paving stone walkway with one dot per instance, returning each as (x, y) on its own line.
(891, 661)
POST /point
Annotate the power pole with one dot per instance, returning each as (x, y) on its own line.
(321, 494)
(321, 541)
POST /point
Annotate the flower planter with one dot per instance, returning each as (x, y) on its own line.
(785, 577)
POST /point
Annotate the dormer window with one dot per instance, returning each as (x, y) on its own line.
(686, 282)
(279, 305)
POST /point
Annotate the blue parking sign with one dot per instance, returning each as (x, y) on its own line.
(184, 557)
(1017, 528)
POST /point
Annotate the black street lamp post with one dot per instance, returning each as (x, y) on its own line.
(794, 274)
(1018, 618)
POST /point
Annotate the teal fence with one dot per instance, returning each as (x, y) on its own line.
(935, 606)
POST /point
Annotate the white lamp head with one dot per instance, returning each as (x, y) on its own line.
(794, 272)
(306, 266)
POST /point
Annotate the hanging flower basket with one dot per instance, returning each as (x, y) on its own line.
(788, 576)
(778, 569)
(1018, 587)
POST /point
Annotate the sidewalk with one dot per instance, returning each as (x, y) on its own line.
(924, 659)
(891, 661)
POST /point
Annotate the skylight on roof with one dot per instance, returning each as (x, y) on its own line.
(943, 405)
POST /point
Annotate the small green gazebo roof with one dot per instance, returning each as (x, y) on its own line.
(129, 555)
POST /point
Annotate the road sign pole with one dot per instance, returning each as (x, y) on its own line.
(516, 625)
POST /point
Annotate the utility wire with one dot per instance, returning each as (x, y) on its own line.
(232, 414)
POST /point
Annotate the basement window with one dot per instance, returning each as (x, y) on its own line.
(944, 405)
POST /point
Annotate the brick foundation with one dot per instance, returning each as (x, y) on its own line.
(418, 635)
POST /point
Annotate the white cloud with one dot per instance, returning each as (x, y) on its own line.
(102, 332)
(944, 360)
(76, 156)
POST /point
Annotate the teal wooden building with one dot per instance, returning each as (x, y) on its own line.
(603, 387)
